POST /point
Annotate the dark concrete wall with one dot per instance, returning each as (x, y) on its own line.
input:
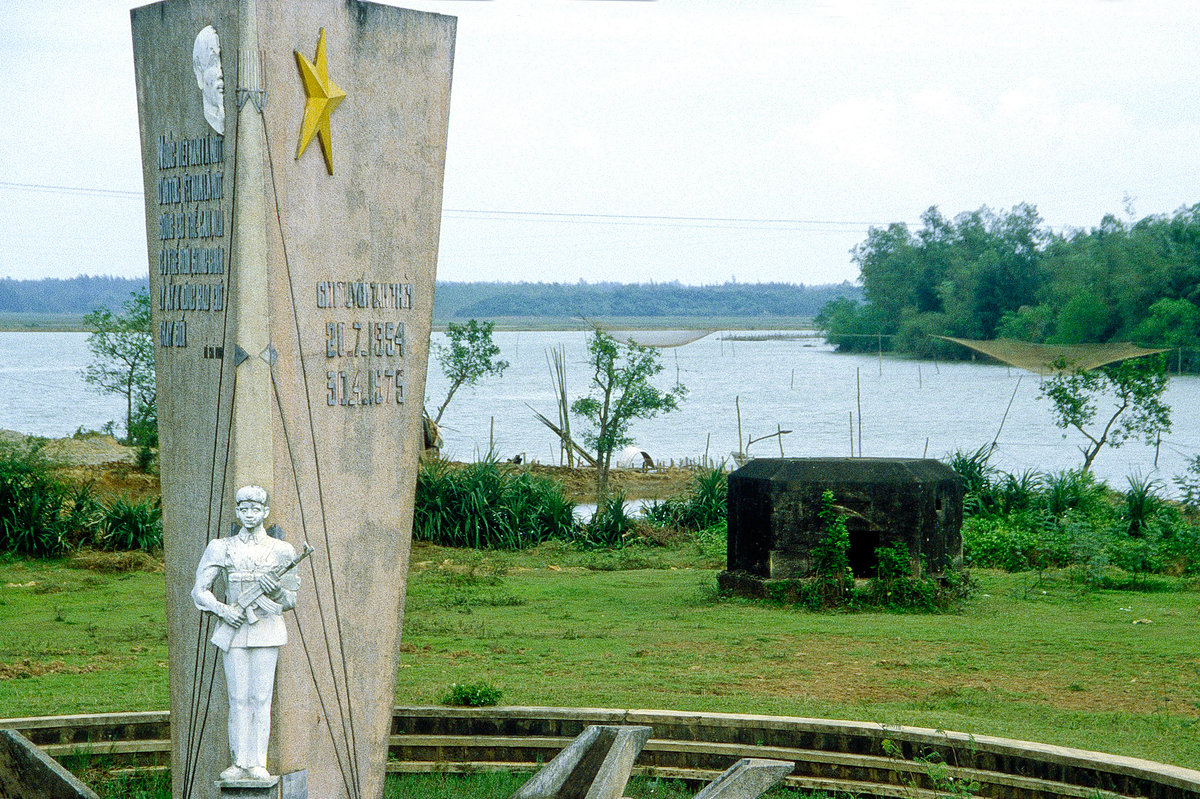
(774, 505)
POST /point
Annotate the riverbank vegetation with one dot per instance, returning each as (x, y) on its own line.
(985, 275)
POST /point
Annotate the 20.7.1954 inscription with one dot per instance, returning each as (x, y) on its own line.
(372, 349)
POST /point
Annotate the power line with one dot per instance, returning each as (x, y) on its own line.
(84, 190)
(650, 220)
(480, 213)
(733, 220)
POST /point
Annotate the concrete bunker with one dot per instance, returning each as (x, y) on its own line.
(774, 505)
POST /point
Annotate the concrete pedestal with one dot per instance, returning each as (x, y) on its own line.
(287, 786)
(249, 789)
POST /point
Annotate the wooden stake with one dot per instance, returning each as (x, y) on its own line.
(737, 404)
(858, 380)
(1006, 410)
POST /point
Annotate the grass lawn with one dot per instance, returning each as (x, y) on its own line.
(1114, 671)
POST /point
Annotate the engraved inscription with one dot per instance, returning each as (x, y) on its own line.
(172, 334)
(364, 295)
(366, 354)
(365, 387)
(380, 339)
(192, 232)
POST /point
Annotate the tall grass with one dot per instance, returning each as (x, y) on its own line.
(40, 515)
(702, 506)
(486, 506)
(44, 516)
(126, 525)
(611, 527)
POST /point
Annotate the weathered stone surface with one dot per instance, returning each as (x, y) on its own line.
(774, 502)
(748, 778)
(347, 262)
(294, 785)
(26, 771)
(596, 765)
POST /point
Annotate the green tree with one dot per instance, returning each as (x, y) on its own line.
(1084, 318)
(621, 392)
(123, 352)
(1133, 389)
(1174, 324)
(470, 357)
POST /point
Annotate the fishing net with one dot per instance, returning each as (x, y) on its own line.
(1042, 358)
(658, 338)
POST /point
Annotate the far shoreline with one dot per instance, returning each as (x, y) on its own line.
(31, 322)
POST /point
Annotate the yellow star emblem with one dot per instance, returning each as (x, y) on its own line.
(323, 96)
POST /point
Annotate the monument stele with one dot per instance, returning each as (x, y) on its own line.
(293, 156)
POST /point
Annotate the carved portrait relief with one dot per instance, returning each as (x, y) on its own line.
(206, 63)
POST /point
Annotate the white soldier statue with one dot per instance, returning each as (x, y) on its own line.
(260, 584)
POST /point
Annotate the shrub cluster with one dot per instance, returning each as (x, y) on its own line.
(1035, 521)
(703, 506)
(611, 527)
(485, 506)
(41, 515)
(476, 694)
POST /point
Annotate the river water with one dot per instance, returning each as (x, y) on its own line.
(908, 408)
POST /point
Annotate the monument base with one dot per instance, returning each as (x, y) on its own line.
(288, 786)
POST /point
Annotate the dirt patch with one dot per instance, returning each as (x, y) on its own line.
(116, 562)
(97, 460)
(26, 668)
(107, 465)
(84, 450)
(580, 484)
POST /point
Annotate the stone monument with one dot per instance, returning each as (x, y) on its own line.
(292, 158)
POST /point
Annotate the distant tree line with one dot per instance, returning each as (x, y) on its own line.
(74, 295)
(566, 300)
(985, 275)
(462, 300)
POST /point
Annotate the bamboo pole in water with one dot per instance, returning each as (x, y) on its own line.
(858, 380)
(1006, 410)
(737, 404)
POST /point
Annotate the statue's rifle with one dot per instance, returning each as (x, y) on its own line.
(253, 596)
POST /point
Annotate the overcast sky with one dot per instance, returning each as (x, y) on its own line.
(808, 121)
